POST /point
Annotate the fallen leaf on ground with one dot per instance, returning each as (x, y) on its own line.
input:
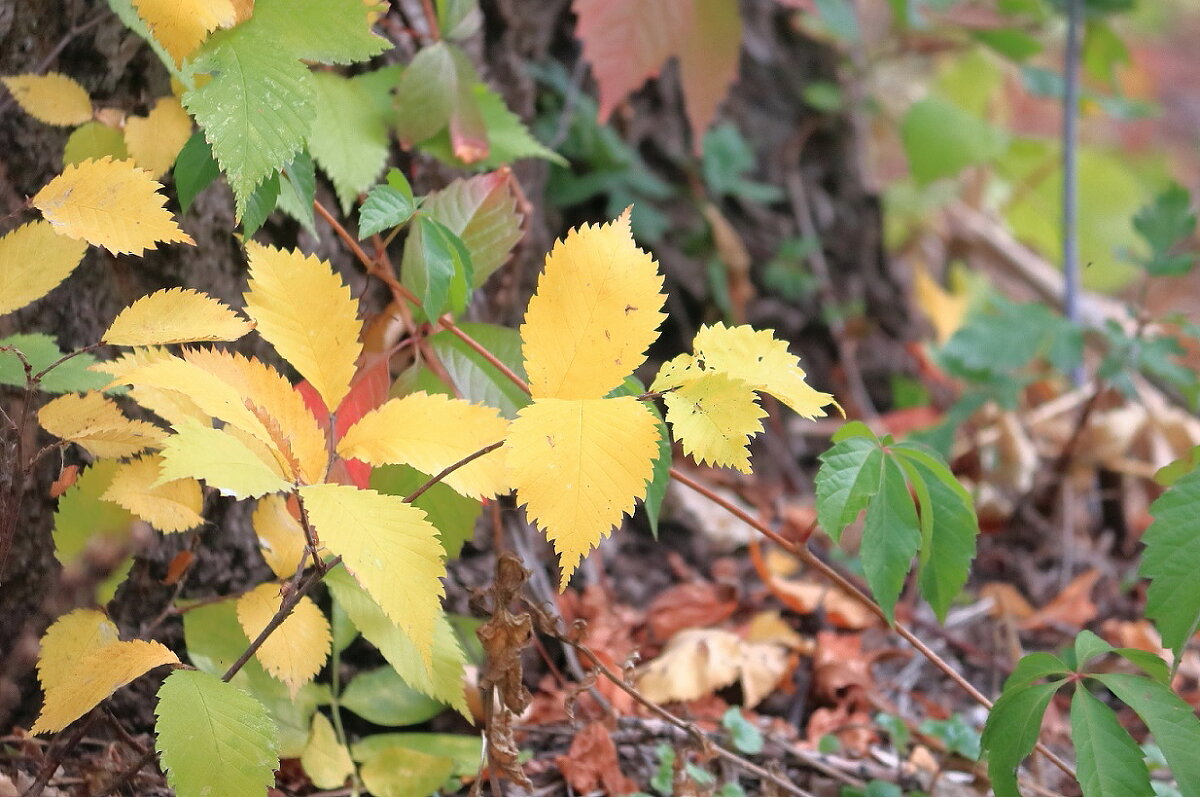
(1007, 601)
(699, 604)
(1073, 607)
(700, 661)
(592, 764)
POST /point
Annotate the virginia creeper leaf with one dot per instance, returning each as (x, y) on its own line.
(579, 466)
(97, 424)
(175, 315)
(1108, 761)
(52, 98)
(425, 94)
(287, 291)
(708, 62)
(482, 211)
(848, 479)
(595, 312)
(181, 25)
(477, 379)
(451, 513)
(295, 651)
(154, 140)
(109, 203)
(437, 268)
(34, 259)
(1012, 731)
(82, 662)
(508, 138)
(432, 432)
(1171, 561)
(891, 537)
(379, 536)
(386, 206)
(213, 737)
(1033, 667)
(169, 507)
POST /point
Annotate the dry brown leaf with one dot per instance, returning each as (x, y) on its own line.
(1139, 634)
(808, 597)
(770, 627)
(700, 661)
(592, 764)
(1072, 607)
(841, 670)
(1007, 600)
(699, 604)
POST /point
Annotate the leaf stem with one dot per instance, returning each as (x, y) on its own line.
(446, 471)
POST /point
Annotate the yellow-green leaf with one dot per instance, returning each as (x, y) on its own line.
(154, 140)
(715, 417)
(326, 761)
(169, 507)
(218, 458)
(432, 432)
(33, 261)
(175, 315)
(82, 662)
(295, 651)
(595, 312)
(109, 203)
(181, 25)
(280, 536)
(389, 547)
(97, 424)
(51, 98)
(306, 312)
(579, 466)
(172, 406)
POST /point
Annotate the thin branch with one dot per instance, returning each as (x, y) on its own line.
(482, 351)
(1070, 187)
(40, 375)
(446, 471)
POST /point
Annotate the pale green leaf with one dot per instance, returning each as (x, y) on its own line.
(482, 211)
(41, 351)
(386, 206)
(941, 139)
(329, 31)
(453, 514)
(381, 696)
(465, 751)
(349, 138)
(477, 379)
(404, 772)
(425, 94)
(213, 737)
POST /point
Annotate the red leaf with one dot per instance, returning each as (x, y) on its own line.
(368, 390)
(708, 62)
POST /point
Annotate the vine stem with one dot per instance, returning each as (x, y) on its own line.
(801, 553)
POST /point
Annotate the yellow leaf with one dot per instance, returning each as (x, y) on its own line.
(579, 466)
(390, 548)
(170, 405)
(945, 310)
(306, 312)
(699, 661)
(173, 506)
(595, 312)
(109, 203)
(326, 761)
(432, 432)
(214, 396)
(82, 662)
(220, 459)
(280, 536)
(52, 98)
(97, 424)
(33, 261)
(752, 356)
(181, 25)
(272, 399)
(295, 651)
(715, 417)
(155, 140)
(175, 315)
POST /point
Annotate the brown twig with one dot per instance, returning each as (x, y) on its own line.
(446, 471)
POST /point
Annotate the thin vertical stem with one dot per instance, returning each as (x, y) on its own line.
(1070, 187)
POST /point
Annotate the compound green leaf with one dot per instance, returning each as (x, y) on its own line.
(213, 737)
(1108, 761)
(453, 514)
(849, 476)
(436, 268)
(386, 206)
(297, 187)
(1172, 721)
(941, 139)
(1171, 561)
(1033, 667)
(349, 138)
(257, 109)
(482, 211)
(1012, 731)
(891, 537)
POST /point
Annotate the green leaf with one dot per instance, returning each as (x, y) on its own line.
(463, 750)
(507, 137)
(1033, 667)
(452, 514)
(895, 728)
(94, 140)
(1103, 51)
(478, 380)
(1012, 731)
(956, 734)
(329, 31)
(425, 94)
(41, 351)
(297, 188)
(382, 696)
(82, 521)
(1149, 663)
(726, 160)
(257, 109)
(746, 737)
(436, 268)
(656, 491)
(444, 684)
(1108, 761)
(1172, 721)
(941, 139)
(891, 537)
(213, 737)
(349, 138)
(948, 526)
(849, 476)
(1012, 43)
(1171, 561)
(482, 212)
(194, 170)
(386, 206)
(1088, 646)
(404, 772)
(1164, 224)
(260, 205)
